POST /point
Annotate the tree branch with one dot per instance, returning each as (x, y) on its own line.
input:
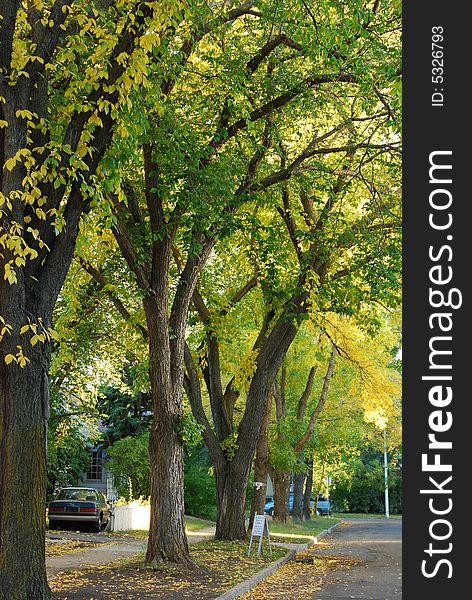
(46, 40)
(306, 394)
(117, 303)
(321, 402)
(286, 215)
(239, 295)
(269, 47)
(121, 233)
(272, 105)
(194, 394)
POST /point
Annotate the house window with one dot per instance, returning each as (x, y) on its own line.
(95, 471)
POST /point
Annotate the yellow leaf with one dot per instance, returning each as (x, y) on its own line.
(10, 163)
(9, 358)
(22, 361)
(11, 277)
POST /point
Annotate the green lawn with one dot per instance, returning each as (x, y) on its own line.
(300, 532)
(341, 515)
(291, 532)
(195, 524)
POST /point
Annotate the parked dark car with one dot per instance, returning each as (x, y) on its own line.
(323, 508)
(80, 506)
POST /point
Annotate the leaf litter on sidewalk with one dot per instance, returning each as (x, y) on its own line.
(62, 547)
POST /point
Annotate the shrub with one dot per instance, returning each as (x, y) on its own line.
(365, 491)
(199, 492)
(129, 465)
(68, 457)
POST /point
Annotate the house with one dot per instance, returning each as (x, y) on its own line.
(98, 477)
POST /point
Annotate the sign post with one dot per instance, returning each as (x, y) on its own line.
(387, 509)
(259, 527)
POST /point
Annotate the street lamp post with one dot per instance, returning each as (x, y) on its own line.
(387, 511)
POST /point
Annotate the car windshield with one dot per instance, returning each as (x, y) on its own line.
(77, 494)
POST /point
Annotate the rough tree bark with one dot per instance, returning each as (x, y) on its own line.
(165, 543)
(24, 396)
(165, 446)
(231, 485)
(261, 466)
(308, 491)
(281, 481)
(23, 417)
(298, 482)
(166, 319)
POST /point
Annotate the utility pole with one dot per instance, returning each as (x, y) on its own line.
(387, 511)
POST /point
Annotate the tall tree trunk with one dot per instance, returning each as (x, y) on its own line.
(24, 409)
(308, 491)
(261, 466)
(167, 539)
(281, 482)
(167, 492)
(231, 487)
(298, 481)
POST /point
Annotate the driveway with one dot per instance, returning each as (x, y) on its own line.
(375, 548)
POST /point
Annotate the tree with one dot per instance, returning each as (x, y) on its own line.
(261, 466)
(296, 444)
(338, 268)
(336, 214)
(127, 412)
(362, 490)
(67, 457)
(129, 465)
(66, 69)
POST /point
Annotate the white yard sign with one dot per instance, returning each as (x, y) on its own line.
(259, 527)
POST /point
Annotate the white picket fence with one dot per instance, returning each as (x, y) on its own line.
(131, 516)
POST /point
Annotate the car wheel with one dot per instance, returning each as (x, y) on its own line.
(106, 525)
(98, 526)
(52, 525)
(271, 512)
(318, 512)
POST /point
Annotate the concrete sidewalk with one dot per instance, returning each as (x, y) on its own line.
(106, 553)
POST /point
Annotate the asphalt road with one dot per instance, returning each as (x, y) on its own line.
(374, 547)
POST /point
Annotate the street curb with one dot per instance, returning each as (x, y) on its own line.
(248, 584)
(322, 534)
